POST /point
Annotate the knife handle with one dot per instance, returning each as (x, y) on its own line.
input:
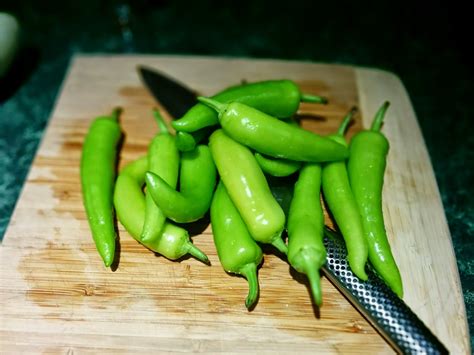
(388, 313)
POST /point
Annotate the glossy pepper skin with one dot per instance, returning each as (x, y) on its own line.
(279, 98)
(273, 137)
(236, 249)
(366, 167)
(248, 189)
(343, 206)
(277, 167)
(187, 141)
(163, 160)
(98, 170)
(196, 186)
(129, 200)
(306, 251)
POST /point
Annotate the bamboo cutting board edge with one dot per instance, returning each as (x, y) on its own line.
(368, 80)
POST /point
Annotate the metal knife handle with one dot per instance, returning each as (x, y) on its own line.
(397, 323)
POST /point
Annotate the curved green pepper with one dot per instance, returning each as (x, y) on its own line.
(366, 167)
(237, 251)
(273, 137)
(187, 141)
(163, 160)
(277, 167)
(173, 242)
(196, 186)
(248, 189)
(98, 166)
(306, 251)
(342, 204)
(279, 98)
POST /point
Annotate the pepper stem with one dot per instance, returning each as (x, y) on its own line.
(116, 113)
(315, 284)
(346, 120)
(280, 245)
(197, 253)
(216, 105)
(308, 262)
(379, 116)
(249, 271)
(313, 98)
(160, 121)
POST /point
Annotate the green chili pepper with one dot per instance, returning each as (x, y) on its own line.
(98, 165)
(366, 166)
(279, 98)
(163, 160)
(237, 251)
(196, 186)
(277, 167)
(187, 141)
(129, 200)
(248, 189)
(306, 251)
(273, 137)
(342, 204)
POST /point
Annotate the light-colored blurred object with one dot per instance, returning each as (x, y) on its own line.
(9, 37)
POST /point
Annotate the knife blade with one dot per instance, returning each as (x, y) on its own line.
(389, 314)
(176, 97)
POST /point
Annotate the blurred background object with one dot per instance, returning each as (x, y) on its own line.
(426, 44)
(9, 36)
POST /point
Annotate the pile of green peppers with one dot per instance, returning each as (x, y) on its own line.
(241, 158)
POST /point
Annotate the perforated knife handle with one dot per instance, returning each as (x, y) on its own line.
(388, 313)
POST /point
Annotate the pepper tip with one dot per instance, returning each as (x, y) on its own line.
(280, 245)
(198, 253)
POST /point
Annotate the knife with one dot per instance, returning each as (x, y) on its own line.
(388, 313)
(176, 98)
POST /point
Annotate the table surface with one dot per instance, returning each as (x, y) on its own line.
(429, 55)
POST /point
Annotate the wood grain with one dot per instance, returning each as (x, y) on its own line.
(56, 296)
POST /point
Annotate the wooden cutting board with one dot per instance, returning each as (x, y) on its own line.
(56, 295)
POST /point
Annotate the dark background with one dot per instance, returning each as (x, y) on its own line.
(425, 44)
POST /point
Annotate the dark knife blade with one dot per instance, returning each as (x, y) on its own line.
(176, 98)
(389, 314)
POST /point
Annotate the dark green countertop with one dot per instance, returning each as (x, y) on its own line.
(423, 44)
